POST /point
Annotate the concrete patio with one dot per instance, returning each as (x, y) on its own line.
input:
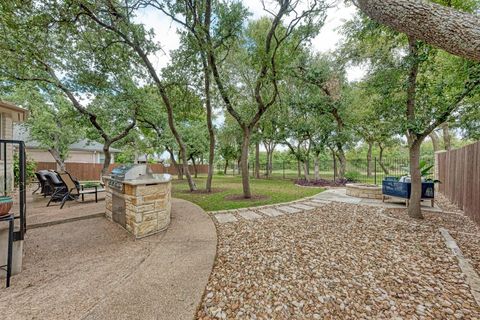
(79, 265)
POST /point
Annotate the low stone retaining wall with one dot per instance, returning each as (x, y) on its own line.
(361, 190)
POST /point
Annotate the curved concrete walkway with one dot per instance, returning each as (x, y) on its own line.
(91, 269)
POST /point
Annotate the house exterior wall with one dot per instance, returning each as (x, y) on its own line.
(39, 155)
(6, 132)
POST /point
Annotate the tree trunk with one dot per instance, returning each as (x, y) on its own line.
(174, 162)
(244, 164)
(447, 140)
(449, 29)
(257, 160)
(211, 132)
(316, 167)
(195, 171)
(305, 170)
(239, 162)
(369, 160)
(436, 145)
(414, 210)
(58, 159)
(106, 161)
(335, 168)
(380, 160)
(343, 162)
(226, 166)
(299, 172)
(270, 160)
(413, 141)
(180, 167)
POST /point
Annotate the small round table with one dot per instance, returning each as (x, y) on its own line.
(8, 267)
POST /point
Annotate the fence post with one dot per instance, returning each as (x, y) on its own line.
(375, 170)
(283, 165)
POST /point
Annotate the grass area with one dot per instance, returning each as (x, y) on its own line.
(272, 190)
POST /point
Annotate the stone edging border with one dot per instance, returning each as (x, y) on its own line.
(472, 278)
(311, 187)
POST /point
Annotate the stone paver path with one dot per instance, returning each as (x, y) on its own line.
(303, 206)
(318, 201)
(317, 204)
(288, 209)
(225, 217)
(250, 215)
(271, 212)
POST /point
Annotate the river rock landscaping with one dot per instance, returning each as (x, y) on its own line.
(339, 261)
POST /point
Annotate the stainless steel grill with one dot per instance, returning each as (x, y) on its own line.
(128, 172)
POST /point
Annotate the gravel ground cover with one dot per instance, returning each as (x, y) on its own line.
(339, 261)
(445, 204)
(465, 232)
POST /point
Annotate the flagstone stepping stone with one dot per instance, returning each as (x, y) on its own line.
(225, 218)
(316, 204)
(302, 206)
(288, 209)
(321, 201)
(250, 215)
(271, 212)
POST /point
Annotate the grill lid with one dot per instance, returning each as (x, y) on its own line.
(131, 172)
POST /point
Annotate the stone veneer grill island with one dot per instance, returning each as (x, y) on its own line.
(138, 200)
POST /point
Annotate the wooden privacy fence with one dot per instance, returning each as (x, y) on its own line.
(459, 173)
(91, 171)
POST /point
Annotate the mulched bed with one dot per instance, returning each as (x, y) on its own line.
(240, 197)
(340, 261)
(454, 222)
(321, 183)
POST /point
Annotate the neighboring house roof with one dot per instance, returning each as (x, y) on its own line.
(20, 132)
(18, 114)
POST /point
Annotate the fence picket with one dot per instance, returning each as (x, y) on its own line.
(91, 171)
(459, 173)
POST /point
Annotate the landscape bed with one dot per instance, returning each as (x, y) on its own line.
(339, 261)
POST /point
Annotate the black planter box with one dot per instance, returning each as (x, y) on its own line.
(403, 190)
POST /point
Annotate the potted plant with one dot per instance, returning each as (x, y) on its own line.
(6, 203)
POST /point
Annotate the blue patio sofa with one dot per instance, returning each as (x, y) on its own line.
(391, 187)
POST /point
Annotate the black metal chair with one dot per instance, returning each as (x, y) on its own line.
(43, 184)
(74, 189)
(59, 189)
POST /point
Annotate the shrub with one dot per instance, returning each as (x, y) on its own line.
(353, 176)
(30, 168)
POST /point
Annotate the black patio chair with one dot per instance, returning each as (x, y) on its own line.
(43, 184)
(58, 187)
(74, 189)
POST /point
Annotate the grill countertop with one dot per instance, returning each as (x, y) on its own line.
(155, 179)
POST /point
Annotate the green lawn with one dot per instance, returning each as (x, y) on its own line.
(273, 190)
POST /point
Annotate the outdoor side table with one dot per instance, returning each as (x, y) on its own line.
(8, 267)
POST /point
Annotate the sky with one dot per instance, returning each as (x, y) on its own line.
(327, 40)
